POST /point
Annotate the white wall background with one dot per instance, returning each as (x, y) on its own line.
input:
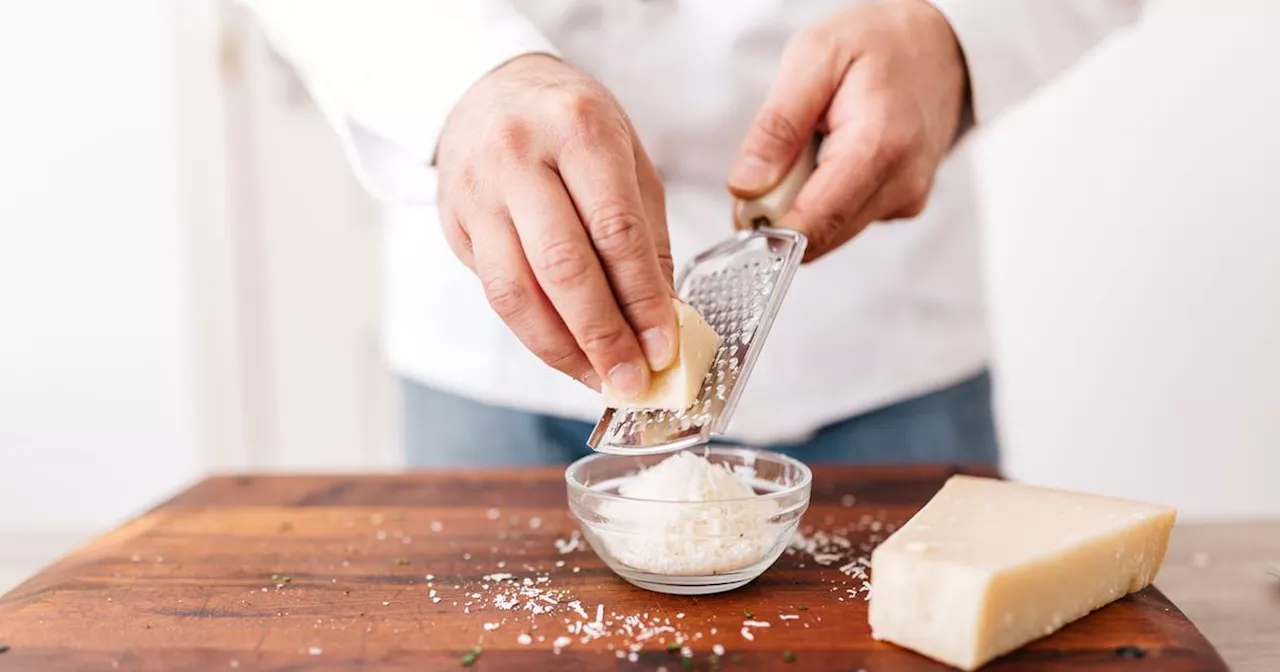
(97, 385)
(1134, 266)
(188, 274)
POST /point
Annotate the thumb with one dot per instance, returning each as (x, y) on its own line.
(807, 80)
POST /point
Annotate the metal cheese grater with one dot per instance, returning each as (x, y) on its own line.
(737, 287)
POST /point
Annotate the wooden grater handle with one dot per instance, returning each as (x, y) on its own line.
(768, 209)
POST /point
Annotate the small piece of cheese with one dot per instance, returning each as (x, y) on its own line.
(676, 387)
(988, 565)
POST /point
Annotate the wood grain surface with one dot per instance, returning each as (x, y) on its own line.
(331, 573)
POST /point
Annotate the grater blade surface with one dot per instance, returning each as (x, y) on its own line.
(738, 287)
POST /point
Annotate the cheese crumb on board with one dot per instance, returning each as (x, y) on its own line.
(988, 566)
(676, 387)
(721, 526)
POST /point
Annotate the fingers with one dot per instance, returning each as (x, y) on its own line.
(564, 262)
(655, 207)
(513, 292)
(458, 239)
(654, 198)
(586, 241)
(869, 166)
(872, 164)
(830, 213)
(808, 77)
(600, 173)
(849, 174)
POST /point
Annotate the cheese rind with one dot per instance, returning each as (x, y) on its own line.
(988, 565)
(676, 387)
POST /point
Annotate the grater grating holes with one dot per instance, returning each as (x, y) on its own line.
(734, 288)
(732, 299)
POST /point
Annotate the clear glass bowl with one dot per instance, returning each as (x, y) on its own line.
(690, 548)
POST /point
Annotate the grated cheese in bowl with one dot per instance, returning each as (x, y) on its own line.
(693, 522)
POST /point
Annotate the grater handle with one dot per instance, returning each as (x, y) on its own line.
(768, 209)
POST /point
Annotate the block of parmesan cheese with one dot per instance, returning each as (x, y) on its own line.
(988, 565)
(676, 387)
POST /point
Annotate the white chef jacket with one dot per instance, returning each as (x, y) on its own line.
(895, 313)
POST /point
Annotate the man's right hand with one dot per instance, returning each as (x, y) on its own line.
(547, 195)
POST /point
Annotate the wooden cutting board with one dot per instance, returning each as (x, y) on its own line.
(337, 573)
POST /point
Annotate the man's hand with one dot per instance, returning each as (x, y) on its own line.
(887, 84)
(547, 195)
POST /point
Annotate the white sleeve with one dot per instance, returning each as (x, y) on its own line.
(386, 73)
(1013, 46)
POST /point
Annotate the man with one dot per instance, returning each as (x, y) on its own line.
(565, 153)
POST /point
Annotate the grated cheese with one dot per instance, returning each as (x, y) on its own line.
(705, 534)
(573, 543)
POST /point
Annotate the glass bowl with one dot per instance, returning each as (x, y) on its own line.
(686, 547)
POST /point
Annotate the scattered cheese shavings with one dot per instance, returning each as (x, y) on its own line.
(573, 543)
(544, 613)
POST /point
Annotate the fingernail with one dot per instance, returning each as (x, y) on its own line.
(751, 173)
(591, 379)
(627, 380)
(657, 348)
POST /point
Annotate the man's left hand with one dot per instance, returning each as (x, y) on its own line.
(886, 83)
